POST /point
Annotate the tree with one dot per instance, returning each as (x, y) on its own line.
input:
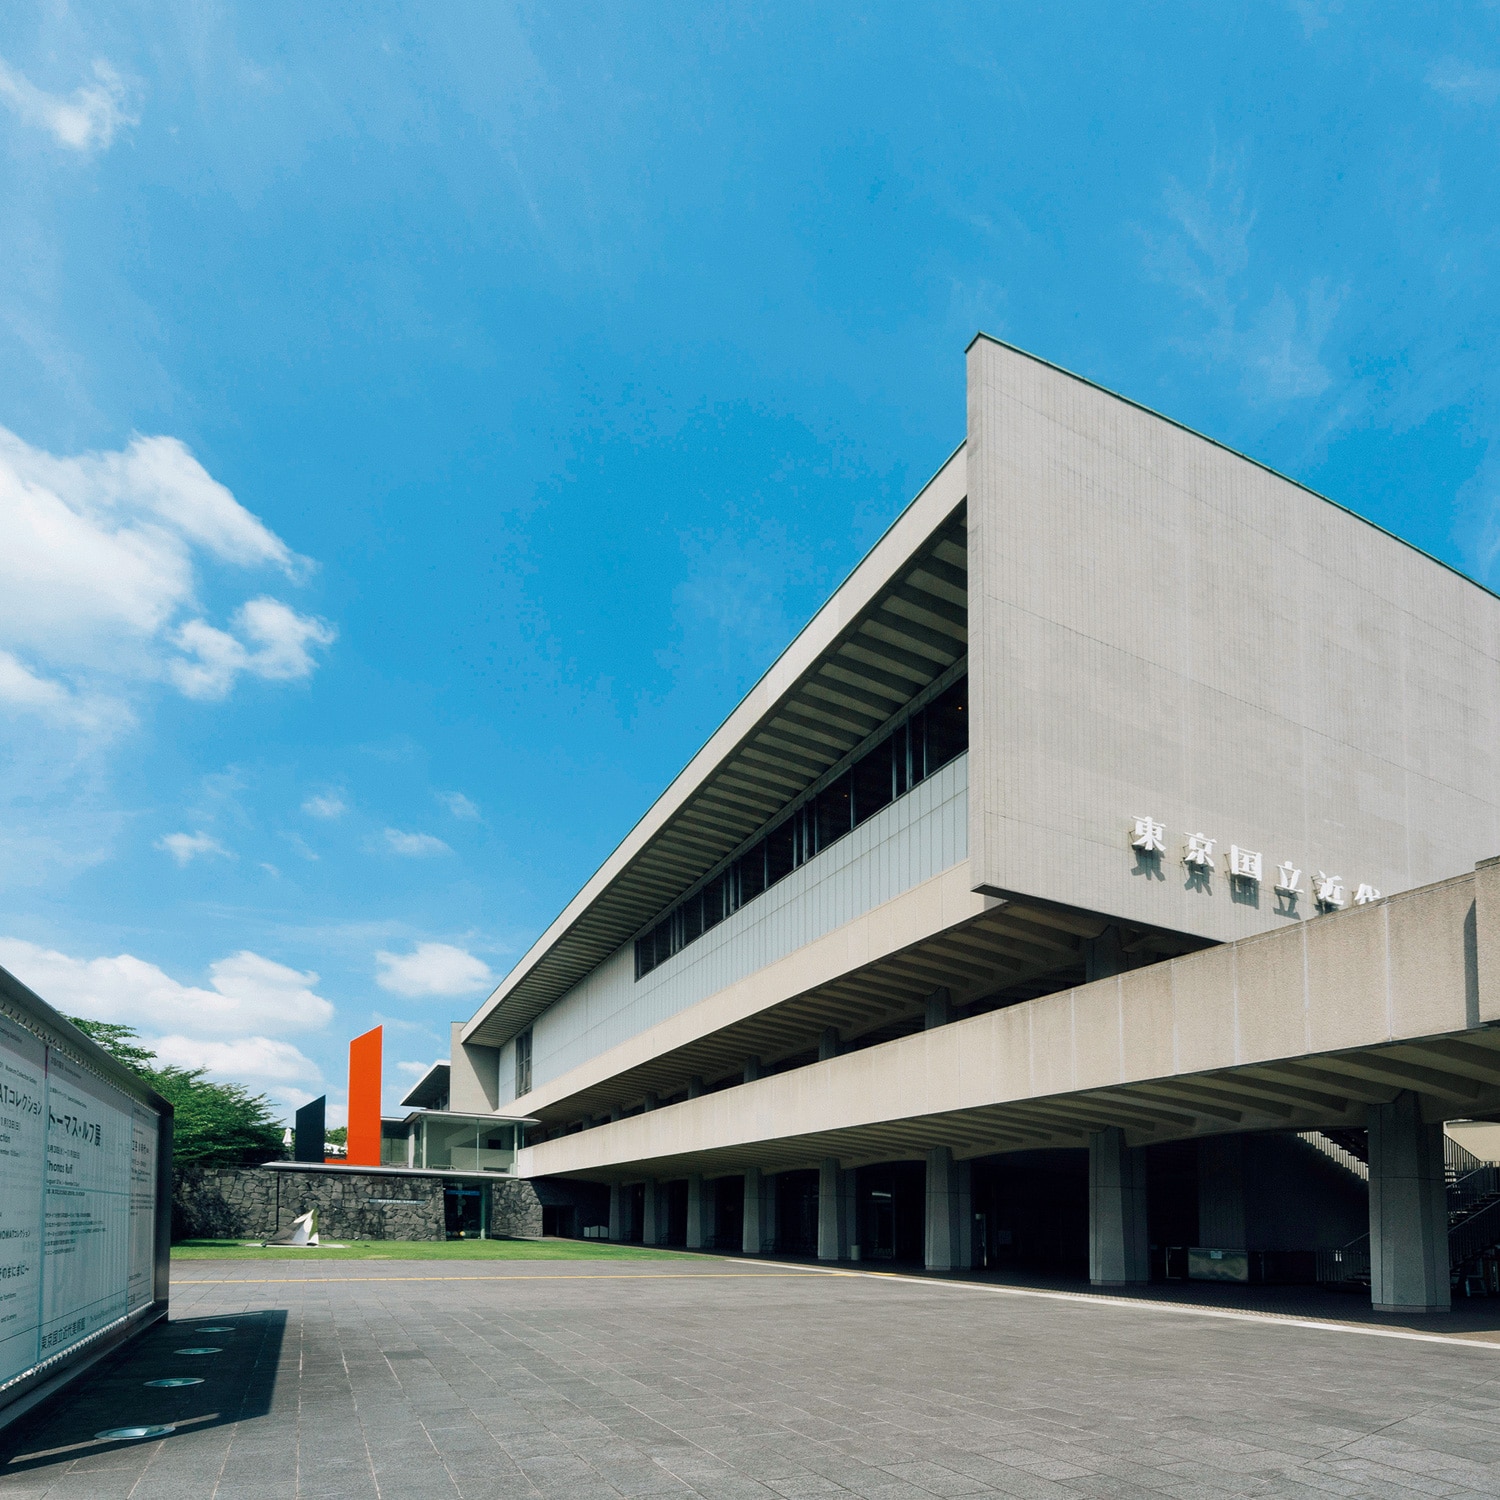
(216, 1124)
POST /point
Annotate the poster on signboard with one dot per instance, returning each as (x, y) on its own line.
(86, 1237)
(142, 1284)
(23, 1088)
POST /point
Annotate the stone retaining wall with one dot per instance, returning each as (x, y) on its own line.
(257, 1202)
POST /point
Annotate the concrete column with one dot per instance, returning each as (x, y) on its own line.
(828, 1044)
(750, 1240)
(650, 1101)
(942, 1210)
(832, 1219)
(697, 1223)
(1119, 1254)
(1221, 1193)
(654, 1213)
(695, 1087)
(616, 1213)
(939, 1010)
(1408, 1210)
(963, 1229)
(768, 1229)
(752, 1069)
(849, 1207)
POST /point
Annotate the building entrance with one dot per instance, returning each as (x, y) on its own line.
(463, 1212)
(892, 1211)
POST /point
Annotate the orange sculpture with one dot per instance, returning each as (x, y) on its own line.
(364, 1100)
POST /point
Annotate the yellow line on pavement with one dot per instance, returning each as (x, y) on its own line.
(513, 1276)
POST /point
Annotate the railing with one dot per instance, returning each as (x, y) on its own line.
(1349, 1262)
(1335, 1153)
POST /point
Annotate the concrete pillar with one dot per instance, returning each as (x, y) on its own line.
(697, 1223)
(942, 1210)
(828, 1044)
(963, 1229)
(1408, 1210)
(695, 1087)
(832, 1218)
(1119, 1253)
(752, 1069)
(939, 1010)
(616, 1213)
(849, 1190)
(650, 1102)
(754, 1196)
(654, 1213)
(768, 1229)
(1221, 1193)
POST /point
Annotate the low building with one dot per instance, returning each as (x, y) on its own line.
(1090, 885)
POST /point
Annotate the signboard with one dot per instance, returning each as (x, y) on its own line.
(77, 1202)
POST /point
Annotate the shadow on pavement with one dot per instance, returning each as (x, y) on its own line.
(238, 1378)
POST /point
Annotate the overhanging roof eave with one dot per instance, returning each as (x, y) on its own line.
(939, 498)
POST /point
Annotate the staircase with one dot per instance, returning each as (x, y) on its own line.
(1473, 1214)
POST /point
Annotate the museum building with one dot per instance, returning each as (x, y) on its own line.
(1098, 883)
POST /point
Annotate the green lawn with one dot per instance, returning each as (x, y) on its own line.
(422, 1250)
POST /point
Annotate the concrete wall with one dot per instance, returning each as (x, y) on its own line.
(257, 1202)
(1160, 627)
(904, 845)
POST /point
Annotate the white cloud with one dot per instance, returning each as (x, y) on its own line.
(415, 845)
(1278, 347)
(459, 805)
(1460, 79)
(432, 969)
(186, 847)
(281, 653)
(87, 120)
(99, 581)
(325, 805)
(259, 1062)
(414, 1069)
(249, 993)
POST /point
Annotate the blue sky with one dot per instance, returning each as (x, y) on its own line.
(421, 424)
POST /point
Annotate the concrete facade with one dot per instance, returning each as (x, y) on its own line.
(1195, 638)
(1092, 639)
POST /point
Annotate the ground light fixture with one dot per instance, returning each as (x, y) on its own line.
(204, 1349)
(134, 1434)
(216, 1328)
(171, 1382)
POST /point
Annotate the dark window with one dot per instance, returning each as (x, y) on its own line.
(752, 870)
(781, 851)
(948, 725)
(873, 783)
(662, 940)
(914, 750)
(901, 767)
(523, 1063)
(832, 812)
(692, 919)
(713, 902)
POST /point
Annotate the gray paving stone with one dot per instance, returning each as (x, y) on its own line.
(739, 1385)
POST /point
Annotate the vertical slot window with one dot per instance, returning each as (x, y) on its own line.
(752, 872)
(947, 719)
(781, 852)
(874, 782)
(523, 1062)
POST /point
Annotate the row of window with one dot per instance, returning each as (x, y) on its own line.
(920, 745)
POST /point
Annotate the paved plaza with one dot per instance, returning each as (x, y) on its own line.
(706, 1377)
